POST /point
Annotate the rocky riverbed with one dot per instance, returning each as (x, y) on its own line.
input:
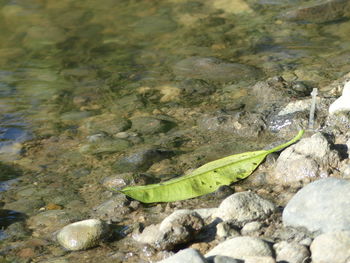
(97, 96)
(293, 208)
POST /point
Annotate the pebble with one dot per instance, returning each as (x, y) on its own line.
(82, 235)
(251, 227)
(188, 255)
(320, 206)
(224, 230)
(331, 247)
(241, 248)
(105, 145)
(291, 252)
(244, 207)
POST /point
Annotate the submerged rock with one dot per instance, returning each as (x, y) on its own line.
(244, 124)
(105, 145)
(142, 159)
(82, 235)
(244, 207)
(319, 11)
(321, 206)
(214, 69)
(241, 248)
(331, 247)
(151, 125)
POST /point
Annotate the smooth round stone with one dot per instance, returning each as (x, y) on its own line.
(321, 206)
(82, 235)
(331, 247)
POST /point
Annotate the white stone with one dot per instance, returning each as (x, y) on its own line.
(188, 255)
(291, 252)
(251, 227)
(241, 248)
(321, 206)
(244, 207)
(331, 247)
(82, 235)
(342, 104)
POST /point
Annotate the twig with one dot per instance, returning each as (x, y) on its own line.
(312, 109)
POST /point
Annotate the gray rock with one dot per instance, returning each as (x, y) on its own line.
(188, 255)
(273, 91)
(141, 160)
(244, 207)
(242, 123)
(320, 206)
(82, 235)
(151, 125)
(214, 69)
(113, 209)
(105, 145)
(331, 247)
(178, 228)
(223, 259)
(241, 248)
(27, 206)
(308, 159)
(119, 181)
(319, 11)
(291, 252)
(47, 222)
(108, 123)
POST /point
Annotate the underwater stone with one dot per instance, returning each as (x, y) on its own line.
(208, 68)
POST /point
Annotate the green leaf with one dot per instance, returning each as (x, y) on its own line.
(206, 179)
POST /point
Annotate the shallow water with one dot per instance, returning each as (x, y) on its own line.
(64, 63)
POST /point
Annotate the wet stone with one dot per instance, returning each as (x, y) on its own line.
(47, 222)
(113, 209)
(119, 181)
(82, 235)
(242, 123)
(27, 206)
(319, 11)
(151, 125)
(108, 123)
(142, 159)
(208, 68)
(320, 206)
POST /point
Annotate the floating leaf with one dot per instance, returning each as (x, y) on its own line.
(206, 179)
